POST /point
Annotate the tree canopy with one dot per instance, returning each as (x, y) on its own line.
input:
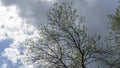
(66, 43)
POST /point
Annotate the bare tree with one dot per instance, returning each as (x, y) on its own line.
(65, 42)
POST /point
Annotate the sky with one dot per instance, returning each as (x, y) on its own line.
(19, 19)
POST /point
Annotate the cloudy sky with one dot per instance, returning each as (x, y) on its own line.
(19, 19)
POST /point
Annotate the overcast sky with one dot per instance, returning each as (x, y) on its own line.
(19, 19)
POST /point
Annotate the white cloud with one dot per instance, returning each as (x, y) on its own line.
(12, 54)
(12, 26)
(27, 66)
(9, 22)
(4, 65)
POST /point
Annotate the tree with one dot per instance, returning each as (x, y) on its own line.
(114, 39)
(115, 25)
(65, 42)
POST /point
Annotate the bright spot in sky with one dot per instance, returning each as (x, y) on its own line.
(48, 0)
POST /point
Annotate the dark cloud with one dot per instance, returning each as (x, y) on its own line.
(34, 11)
(95, 11)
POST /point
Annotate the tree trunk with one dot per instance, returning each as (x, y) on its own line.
(82, 63)
(83, 66)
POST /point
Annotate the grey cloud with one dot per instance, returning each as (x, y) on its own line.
(34, 11)
(95, 11)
